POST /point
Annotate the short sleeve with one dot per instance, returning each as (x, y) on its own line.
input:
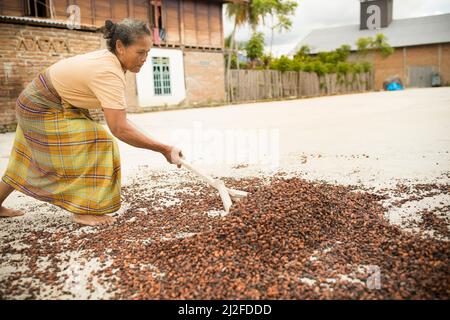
(109, 88)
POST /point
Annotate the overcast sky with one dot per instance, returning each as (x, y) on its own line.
(315, 14)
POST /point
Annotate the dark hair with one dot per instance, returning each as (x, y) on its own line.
(127, 31)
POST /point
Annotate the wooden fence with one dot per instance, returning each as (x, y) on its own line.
(254, 85)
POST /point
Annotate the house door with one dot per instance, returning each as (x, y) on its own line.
(420, 76)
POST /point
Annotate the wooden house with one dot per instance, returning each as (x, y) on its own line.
(184, 68)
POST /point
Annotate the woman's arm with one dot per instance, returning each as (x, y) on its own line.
(123, 130)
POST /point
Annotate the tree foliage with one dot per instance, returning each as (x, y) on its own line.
(333, 61)
(255, 46)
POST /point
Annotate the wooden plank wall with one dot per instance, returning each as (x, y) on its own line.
(171, 18)
(93, 12)
(12, 7)
(195, 23)
(200, 22)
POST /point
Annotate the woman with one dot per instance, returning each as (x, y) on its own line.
(60, 155)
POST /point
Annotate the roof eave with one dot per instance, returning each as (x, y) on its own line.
(42, 22)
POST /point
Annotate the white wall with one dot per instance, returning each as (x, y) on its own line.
(144, 79)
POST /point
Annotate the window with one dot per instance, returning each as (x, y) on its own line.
(161, 76)
(37, 8)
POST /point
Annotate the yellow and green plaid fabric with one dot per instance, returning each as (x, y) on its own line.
(60, 155)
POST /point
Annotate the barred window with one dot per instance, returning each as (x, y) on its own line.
(161, 76)
(38, 8)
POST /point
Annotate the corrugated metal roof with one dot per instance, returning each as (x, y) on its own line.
(400, 33)
(43, 22)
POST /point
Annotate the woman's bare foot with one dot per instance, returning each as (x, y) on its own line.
(8, 213)
(92, 220)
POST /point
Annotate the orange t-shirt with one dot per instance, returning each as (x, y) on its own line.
(91, 80)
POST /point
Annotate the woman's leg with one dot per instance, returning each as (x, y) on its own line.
(85, 219)
(93, 220)
(5, 191)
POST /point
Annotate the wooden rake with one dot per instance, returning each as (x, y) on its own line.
(227, 195)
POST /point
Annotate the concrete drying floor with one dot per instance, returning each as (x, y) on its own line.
(374, 140)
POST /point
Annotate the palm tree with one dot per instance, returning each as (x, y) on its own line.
(242, 13)
(250, 12)
(279, 9)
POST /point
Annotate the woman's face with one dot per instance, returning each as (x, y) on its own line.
(133, 57)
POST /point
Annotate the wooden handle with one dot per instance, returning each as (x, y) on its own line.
(205, 177)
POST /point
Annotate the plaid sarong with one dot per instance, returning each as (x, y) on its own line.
(60, 155)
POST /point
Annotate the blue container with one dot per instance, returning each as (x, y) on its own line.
(394, 86)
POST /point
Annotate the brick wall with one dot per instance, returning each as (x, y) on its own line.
(389, 66)
(205, 80)
(422, 55)
(398, 63)
(25, 51)
(402, 58)
(445, 63)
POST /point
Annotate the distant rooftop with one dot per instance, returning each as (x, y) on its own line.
(400, 33)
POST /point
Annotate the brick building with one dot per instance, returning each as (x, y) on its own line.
(185, 66)
(422, 45)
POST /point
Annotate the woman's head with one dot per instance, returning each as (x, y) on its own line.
(130, 40)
